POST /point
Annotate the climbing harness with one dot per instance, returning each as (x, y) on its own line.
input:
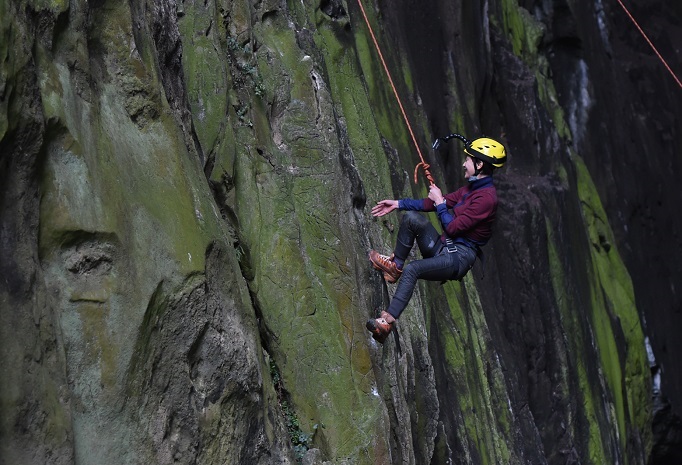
(422, 164)
(665, 63)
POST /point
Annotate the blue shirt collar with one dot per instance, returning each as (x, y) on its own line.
(479, 183)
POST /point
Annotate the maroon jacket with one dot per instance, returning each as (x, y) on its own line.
(473, 211)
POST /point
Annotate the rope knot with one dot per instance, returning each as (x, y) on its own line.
(425, 166)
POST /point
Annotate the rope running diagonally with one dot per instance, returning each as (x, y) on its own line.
(422, 164)
(650, 44)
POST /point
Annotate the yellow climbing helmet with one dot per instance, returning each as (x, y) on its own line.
(487, 149)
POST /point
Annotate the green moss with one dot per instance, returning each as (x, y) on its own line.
(525, 35)
(55, 6)
(563, 176)
(406, 73)
(382, 105)
(523, 31)
(300, 441)
(614, 310)
(473, 367)
(571, 327)
(454, 347)
(303, 279)
(549, 99)
(172, 207)
(456, 124)
(349, 93)
(204, 65)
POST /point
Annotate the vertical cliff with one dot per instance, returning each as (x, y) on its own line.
(185, 223)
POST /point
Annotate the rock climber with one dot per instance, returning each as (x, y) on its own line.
(466, 215)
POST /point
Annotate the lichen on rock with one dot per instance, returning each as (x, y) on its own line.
(185, 226)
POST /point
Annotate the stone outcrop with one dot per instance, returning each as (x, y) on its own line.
(184, 221)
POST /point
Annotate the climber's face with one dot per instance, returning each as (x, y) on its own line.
(469, 168)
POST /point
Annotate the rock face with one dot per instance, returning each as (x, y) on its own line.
(185, 223)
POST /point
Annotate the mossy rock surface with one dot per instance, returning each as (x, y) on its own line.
(186, 222)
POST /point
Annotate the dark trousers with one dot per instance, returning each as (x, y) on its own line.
(438, 263)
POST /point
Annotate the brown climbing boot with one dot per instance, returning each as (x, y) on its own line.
(381, 327)
(386, 264)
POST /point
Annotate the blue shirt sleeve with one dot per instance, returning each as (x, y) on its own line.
(411, 204)
(444, 215)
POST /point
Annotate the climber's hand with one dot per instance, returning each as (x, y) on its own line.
(384, 207)
(435, 194)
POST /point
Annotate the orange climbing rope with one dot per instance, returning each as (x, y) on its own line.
(422, 164)
(650, 44)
